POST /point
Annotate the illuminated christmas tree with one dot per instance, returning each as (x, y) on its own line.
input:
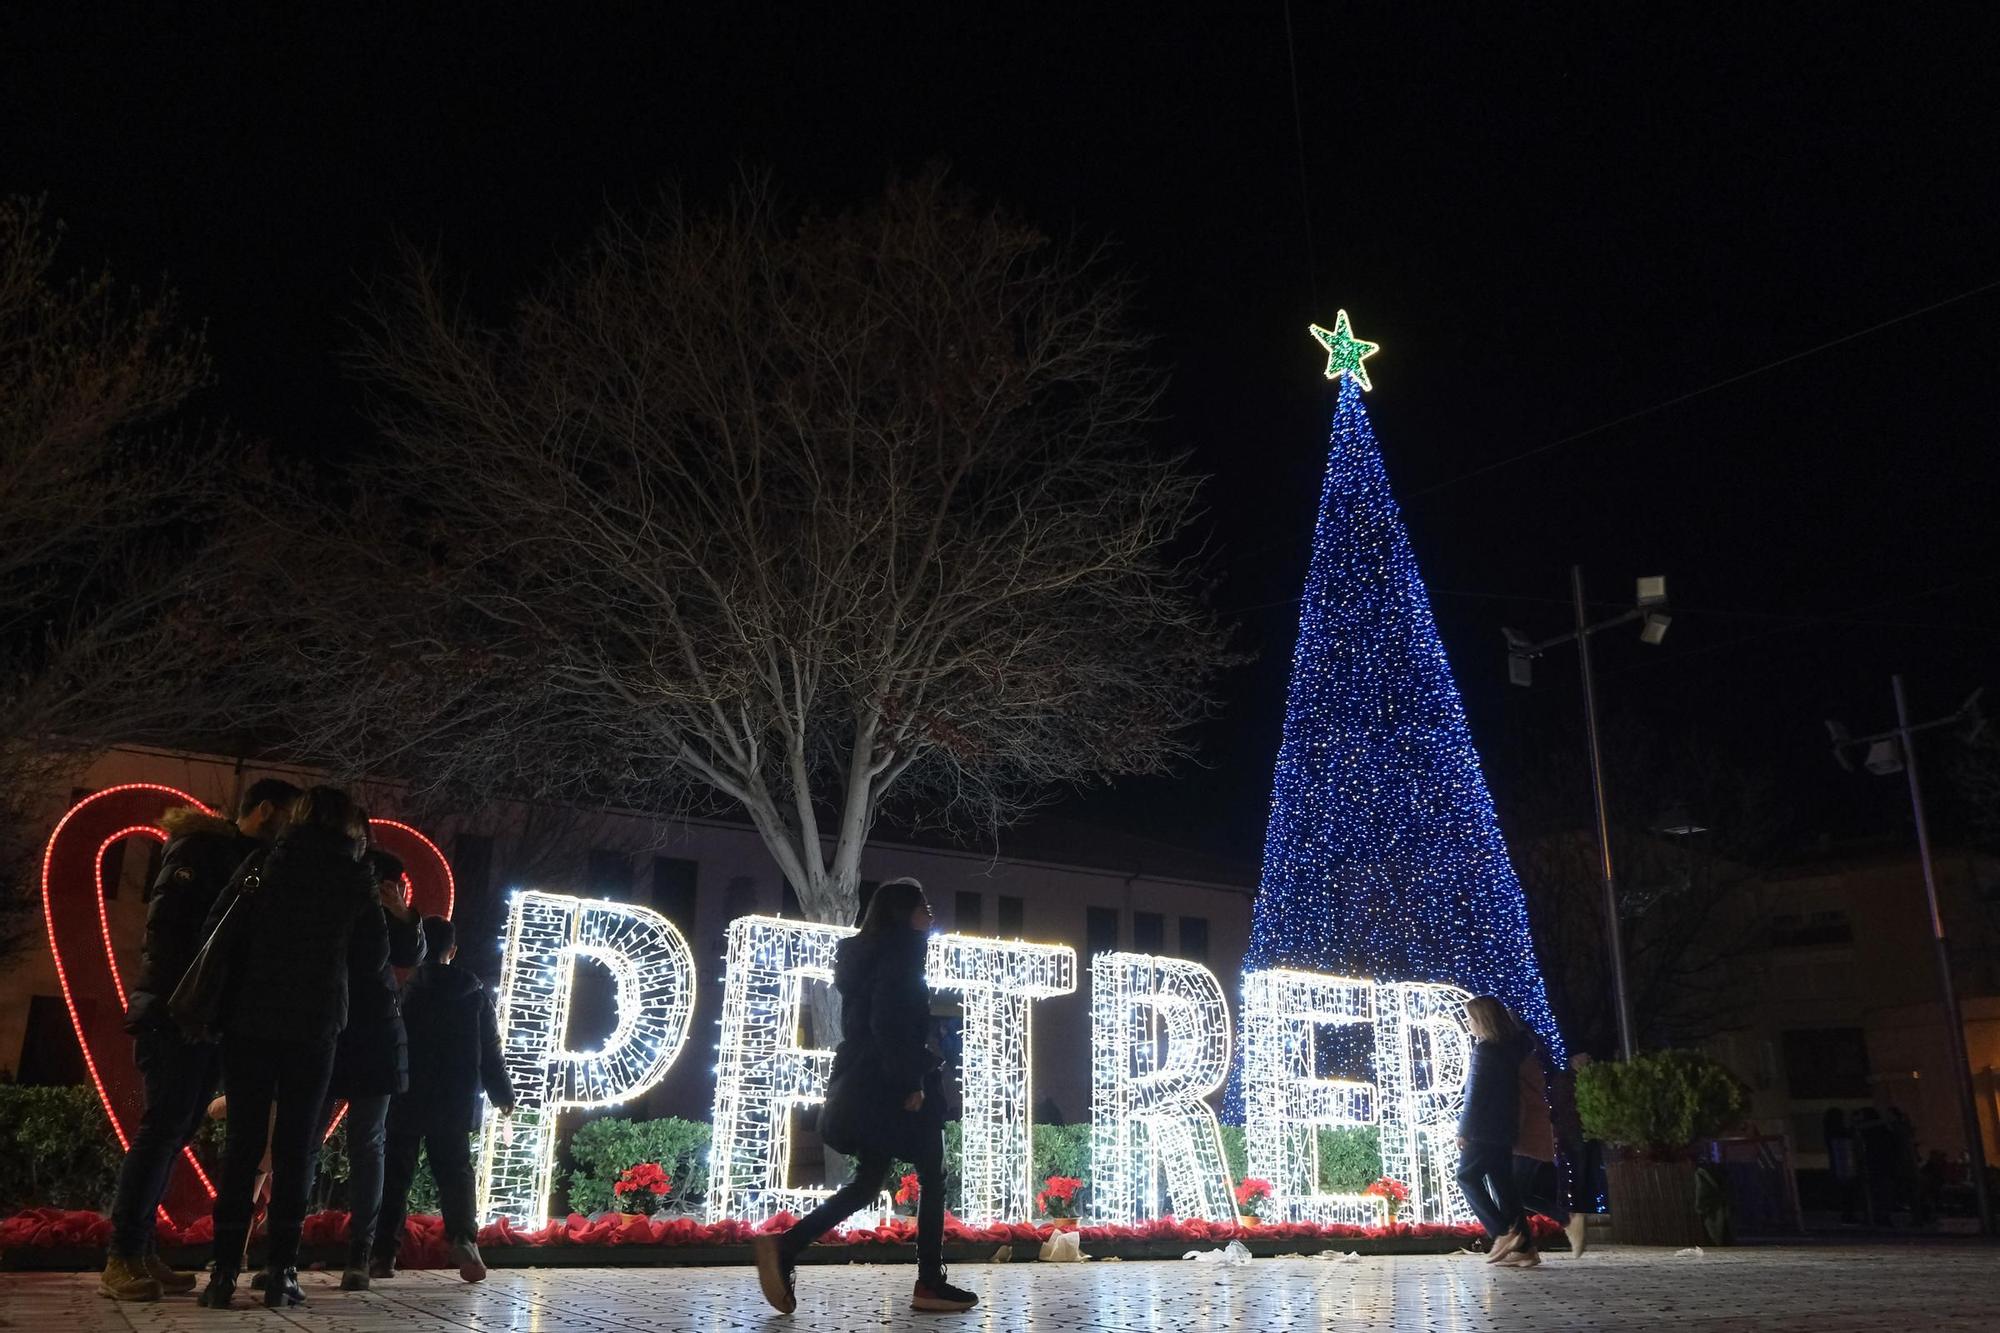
(1383, 857)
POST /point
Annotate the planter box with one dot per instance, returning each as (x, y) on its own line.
(1652, 1203)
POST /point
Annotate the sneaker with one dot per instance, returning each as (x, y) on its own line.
(1577, 1230)
(938, 1295)
(127, 1280)
(354, 1279)
(220, 1293)
(470, 1266)
(1506, 1243)
(774, 1275)
(382, 1267)
(260, 1280)
(1521, 1259)
(172, 1280)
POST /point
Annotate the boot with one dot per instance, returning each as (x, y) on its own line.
(281, 1288)
(127, 1280)
(382, 1267)
(470, 1266)
(220, 1293)
(173, 1281)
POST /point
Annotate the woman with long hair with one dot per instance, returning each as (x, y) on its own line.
(884, 1099)
(1488, 1127)
(280, 1019)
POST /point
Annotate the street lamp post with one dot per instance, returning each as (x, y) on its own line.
(1650, 611)
(1886, 752)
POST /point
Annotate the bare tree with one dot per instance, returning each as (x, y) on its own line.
(815, 516)
(98, 506)
(1691, 835)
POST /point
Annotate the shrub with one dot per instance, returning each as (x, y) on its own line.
(1350, 1157)
(602, 1150)
(1061, 1150)
(60, 1151)
(1659, 1103)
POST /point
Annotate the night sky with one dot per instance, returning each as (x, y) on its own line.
(1551, 217)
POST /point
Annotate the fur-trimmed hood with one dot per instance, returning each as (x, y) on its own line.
(184, 820)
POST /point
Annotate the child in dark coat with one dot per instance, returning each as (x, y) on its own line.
(454, 1055)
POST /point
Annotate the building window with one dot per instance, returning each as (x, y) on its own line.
(968, 913)
(1100, 930)
(1826, 1062)
(1009, 916)
(1194, 938)
(1800, 930)
(673, 891)
(608, 873)
(1149, 932)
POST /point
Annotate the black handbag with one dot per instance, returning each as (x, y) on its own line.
(197, 1002)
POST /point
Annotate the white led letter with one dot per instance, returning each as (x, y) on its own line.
(1160, 1044)
(1423, 1052)
(1286, 1101)
(997, 979)
(762, 1073)
(654, 974)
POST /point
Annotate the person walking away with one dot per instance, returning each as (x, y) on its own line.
(371, 1063)
(280, 1019)
(1489, 1126)
(179, 1076)
(454, 1054)
(884, 1098)
(1536, 1181)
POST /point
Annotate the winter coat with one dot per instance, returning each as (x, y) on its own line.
(288, 979)
(203, 851)
(454, 1053)
(1492, 1111)
(884, 1053)
(1536, 1136)
(373, 1058)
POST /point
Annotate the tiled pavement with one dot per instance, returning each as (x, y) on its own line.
(1826, 1290)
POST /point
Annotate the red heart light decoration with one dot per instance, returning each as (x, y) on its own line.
(79, 928)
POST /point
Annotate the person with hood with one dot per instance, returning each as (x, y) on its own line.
(884, 1097)
(371, 1063)
(179, 1076)
(1489, 1126)
(454, 1054)
(281, 1018)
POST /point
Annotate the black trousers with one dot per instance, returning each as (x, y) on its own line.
(871, 1173)
(367, 1131)
(1540, 1191)
(450, 1155)
(257, 1075)
(1486, 1174)
(179, 1078)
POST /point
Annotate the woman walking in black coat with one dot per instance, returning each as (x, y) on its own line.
(884, 1099)
(371, 1063)
(1488, 1127)
(281, 1018)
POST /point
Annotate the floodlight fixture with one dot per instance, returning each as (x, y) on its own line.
(1652, 590)
(1654, 627)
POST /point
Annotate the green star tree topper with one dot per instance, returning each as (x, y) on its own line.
(1344, 351)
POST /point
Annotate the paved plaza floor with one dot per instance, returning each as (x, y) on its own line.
(1824, 1289)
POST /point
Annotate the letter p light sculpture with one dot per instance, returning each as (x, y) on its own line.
(654, 974)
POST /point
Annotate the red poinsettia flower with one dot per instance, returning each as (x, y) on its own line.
(1395, 1191)
(1058, 1196)
(646, 1176)
(906, 1190)
(1252, 1191)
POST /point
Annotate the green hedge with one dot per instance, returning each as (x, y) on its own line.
(60, 1151)
(1658, 1102)
(1350, 1159)
(601, 1150)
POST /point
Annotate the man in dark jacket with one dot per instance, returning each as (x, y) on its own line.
(180, 1076)
(454, 1054)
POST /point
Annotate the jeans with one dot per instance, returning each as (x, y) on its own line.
(367, 1127)
(1537, 1187)
(1486, 1174)
(256, 1074)
(450, 1155)
(179, 1078)
(871, 1173)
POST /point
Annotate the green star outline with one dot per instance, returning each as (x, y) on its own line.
(1344, 351)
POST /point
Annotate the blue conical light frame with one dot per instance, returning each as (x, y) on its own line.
(1383, 856)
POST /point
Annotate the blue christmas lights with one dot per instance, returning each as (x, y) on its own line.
(1383, 856)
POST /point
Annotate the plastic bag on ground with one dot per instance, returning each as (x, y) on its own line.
(1062, 1247)
(1691, 1252)
(1233, 1253)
